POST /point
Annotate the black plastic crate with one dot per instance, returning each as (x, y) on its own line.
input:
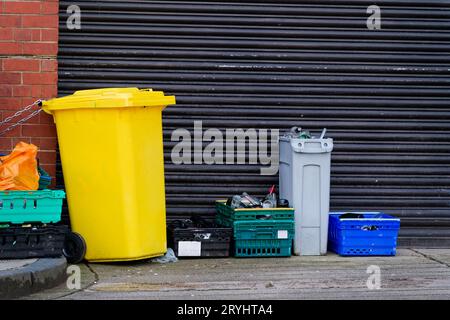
(193, 239)
(32, 242)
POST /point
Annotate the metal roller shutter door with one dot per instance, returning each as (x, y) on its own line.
(383, 94)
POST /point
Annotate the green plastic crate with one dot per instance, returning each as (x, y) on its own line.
(263, 238)
(41, 206)
(251, 230)
(262, 248)
(230, 213)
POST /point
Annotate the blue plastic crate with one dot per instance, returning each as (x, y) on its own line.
(375, 234)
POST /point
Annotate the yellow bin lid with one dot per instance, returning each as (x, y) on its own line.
(109, 98)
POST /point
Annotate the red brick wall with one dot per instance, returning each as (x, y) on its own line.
(28, 71)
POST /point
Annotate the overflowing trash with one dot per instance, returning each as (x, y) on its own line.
(299, 133)
(247, 201)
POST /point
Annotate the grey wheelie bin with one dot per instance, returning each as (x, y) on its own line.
(305, 182)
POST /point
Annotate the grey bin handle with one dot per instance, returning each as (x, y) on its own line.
(321, 146)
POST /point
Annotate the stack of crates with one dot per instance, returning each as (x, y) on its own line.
(258, 232)
(29, 224)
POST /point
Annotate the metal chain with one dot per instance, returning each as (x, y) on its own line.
(18, 113)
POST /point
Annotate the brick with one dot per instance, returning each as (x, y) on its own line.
(10, 78)
(22, 7)
(16, 140)
(5, 144)
(35, 35)
(49, 91)
(45, 118)
(25, 34)
(6, 91)
(38, 21)
(10, 48)
(10, 113)
(22, 91)
(38, 130)
(28, 100)
(45, 144)
(39, 48)
(10, 103)
(15, 64)
(10, 20)
(46, 157)
(40, 78)
(36, 91)
(6, 34)
(22, 34)
(49, 35)
(13, 133)
(49, 65)
(48, 7)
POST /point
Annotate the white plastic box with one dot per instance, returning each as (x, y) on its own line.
(305, 183)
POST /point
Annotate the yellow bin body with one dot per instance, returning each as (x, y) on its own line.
(111, 151)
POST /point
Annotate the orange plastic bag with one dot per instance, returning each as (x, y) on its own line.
(18, 170)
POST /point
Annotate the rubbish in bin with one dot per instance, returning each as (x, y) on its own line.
(297, 133)
(114, 132)
(247, 201)
(18, 170)
(250, 201)
(270, 200)
(351, 216)
(244, 201)
(282, 203)
(304, 181)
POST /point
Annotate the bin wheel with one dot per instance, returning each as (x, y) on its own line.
(74, 247)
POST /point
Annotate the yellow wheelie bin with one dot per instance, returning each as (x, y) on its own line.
(111, 148)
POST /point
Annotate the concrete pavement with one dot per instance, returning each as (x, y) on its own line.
(412, 274)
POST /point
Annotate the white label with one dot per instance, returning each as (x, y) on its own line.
(282, 234)
(189, 248)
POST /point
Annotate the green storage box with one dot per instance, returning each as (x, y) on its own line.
(259, 232)
(41, 206)
(263, 238)
(262, 248)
